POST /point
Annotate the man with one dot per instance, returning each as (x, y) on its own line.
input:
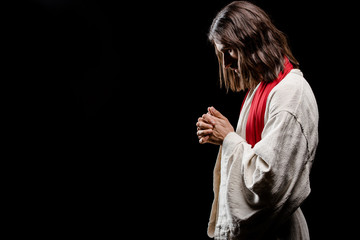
(261, 175)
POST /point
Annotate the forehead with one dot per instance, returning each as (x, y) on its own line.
(219, 46)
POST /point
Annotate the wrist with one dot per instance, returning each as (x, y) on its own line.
(230, 142)
(226, 135)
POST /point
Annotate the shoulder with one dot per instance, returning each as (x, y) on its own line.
(291, 94)
(294, 96)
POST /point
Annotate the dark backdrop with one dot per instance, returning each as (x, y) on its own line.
(104, 102)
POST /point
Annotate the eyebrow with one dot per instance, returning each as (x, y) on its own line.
(224, 49)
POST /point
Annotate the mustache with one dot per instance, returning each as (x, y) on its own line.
(234, 65)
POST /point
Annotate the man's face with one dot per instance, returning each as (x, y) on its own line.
(230, 58)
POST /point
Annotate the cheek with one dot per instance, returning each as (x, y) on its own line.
(233, 55)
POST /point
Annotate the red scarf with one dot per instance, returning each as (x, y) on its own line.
(255, 121)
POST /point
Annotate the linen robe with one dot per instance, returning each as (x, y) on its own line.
(258, 190)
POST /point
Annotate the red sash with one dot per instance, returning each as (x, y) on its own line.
(255, 121)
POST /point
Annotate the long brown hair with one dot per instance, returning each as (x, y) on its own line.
(261, 47)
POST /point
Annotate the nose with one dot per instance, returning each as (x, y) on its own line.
(227, 65)
(227, 62)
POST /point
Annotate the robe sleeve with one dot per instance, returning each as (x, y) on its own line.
(269, 181)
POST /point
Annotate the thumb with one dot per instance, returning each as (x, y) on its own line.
(215, 112)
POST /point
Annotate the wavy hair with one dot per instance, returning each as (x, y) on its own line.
(261, 47)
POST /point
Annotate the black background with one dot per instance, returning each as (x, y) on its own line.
(104, 99)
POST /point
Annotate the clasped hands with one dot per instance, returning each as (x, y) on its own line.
(213, 127)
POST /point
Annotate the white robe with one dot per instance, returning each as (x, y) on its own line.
(258, 191)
